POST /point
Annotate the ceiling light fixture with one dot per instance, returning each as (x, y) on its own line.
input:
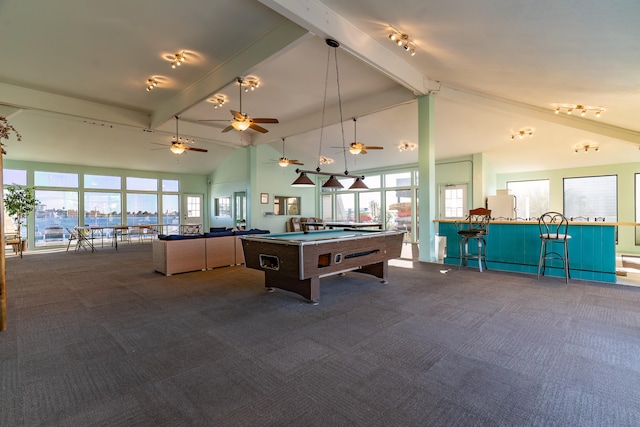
(323, 160)
(178, 59)
(152, 83)
(402, 40)
(407, 146)
(250, 83)
(582, 109)
(585, 147)
(522, 133)
(332, 183)
(218, 100)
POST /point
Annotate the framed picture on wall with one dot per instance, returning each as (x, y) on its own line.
(264, 198)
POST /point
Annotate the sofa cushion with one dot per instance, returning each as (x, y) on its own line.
(252, 231)
(218, 229)
(179, 236)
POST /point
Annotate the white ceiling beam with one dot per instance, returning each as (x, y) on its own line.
(324, 22)
(261, 50)
(503, 104)
(30, 99)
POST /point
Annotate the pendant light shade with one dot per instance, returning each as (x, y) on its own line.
(358, 184)
(332, 182)
(303, 181)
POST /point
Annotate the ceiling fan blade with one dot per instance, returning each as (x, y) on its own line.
(265, 120)
(237, 115)
(202, 150)
(228, 128)
(369, 147)
(258, 128)
(295, 162)
(214, 120)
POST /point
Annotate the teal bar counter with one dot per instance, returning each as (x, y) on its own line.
(515, 246)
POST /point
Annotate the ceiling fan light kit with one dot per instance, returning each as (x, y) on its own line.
(241, 121)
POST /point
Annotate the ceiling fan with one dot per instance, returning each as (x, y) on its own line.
(179, 144)
(358, 147)
(241, 121)
(283, 161)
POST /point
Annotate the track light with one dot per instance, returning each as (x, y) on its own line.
(178, 59)
(522, 133)
(218, 100)
(152, 83)
(584, 109)
(402, 40)
(407, 146)
(250, 83)
(586, 147)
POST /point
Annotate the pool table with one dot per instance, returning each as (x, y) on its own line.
(296, 261)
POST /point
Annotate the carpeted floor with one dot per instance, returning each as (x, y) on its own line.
(100, 339)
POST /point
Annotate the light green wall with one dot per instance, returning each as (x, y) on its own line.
(626, 193)
(230, 177)
(255, 170)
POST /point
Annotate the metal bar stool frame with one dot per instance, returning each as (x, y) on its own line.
(477, 223)
(554, 230)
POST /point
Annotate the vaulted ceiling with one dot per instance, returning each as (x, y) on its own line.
(74, 75)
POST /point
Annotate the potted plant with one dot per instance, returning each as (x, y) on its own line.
(19, 202)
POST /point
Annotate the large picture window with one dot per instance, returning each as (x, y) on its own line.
(56, 214)
(591, 197)
(142, 209)
(102, 209)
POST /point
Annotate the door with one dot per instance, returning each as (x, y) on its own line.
(192, 209)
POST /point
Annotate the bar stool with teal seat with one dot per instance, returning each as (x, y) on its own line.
(475, 227)
(554, 228)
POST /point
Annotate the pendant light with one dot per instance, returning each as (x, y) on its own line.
(332, 183)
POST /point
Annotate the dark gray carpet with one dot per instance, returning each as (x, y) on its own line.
(100, 339)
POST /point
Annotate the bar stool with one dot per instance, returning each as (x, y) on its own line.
(554, 229)
(477, 227)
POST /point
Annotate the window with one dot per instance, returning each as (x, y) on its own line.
(142, 184)
(453, 200)
(397, 179)
(57, 211)
(171, 212)
(327, 207)
(14, 176)
(399, 211)
(369, 206)
(55, 179)
(592, 197)
(222, 207)
(103, 182)
(142, 209)
(171, 185)
(532, 197)
(102, 209)
(345, 207)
